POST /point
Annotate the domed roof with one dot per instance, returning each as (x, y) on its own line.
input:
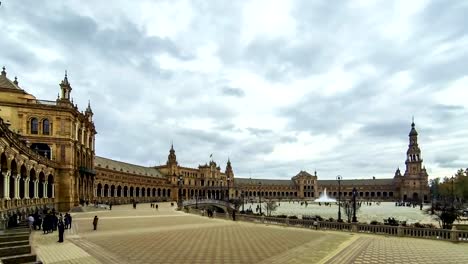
(413, 131)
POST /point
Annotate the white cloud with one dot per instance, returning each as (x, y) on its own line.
(278, 86)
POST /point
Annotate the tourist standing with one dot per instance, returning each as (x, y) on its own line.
(95, 222)
(61, 230)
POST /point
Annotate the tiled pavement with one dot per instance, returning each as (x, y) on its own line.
(145, 235)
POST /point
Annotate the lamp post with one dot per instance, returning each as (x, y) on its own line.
(242, 194)
(180, 191)
(453, 197)
(339, 178)
(354, 205)
(260, 196)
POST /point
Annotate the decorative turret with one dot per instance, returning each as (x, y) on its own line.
(172, 162)
(171, 158)
(65, 88)
(229, 172)
(3, 71)
(89, 112)
(398, 173)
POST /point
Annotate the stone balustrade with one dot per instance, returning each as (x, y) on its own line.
(428, 233)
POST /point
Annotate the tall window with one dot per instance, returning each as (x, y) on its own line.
(34, 126)
(45, 127)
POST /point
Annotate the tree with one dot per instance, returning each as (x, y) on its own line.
(448, 197)
(270, 206)
(348, 209)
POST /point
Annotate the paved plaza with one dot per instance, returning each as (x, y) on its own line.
(147, 235)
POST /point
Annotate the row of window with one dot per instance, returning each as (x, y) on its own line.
(34, 126)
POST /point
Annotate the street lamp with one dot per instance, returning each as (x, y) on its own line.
(339, 178)
(260, 196)
(354, 204)
(453, 197)
(180, 190)
(242, 194)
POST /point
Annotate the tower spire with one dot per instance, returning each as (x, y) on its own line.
(65, 87)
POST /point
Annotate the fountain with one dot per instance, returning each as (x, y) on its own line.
(324, 198)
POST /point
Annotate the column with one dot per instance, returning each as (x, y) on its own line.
(44, 189)
(53, 190)
(102, 191)
(17, 183)
(6, 186)
(36, 189)
(26, 188)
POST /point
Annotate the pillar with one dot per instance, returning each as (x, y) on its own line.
(102, 191)
(26, 188)
(17, 187)
(53, 190)
(115, 192)
(6, 186)
(36, 189)
(44, 189)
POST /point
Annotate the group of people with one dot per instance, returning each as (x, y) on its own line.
(50, 221)
(154, 205)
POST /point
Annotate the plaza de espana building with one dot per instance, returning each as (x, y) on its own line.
(47, 151)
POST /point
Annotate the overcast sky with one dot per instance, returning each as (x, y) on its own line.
(277, 86)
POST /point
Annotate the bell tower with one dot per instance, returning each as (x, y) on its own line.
(413, 155)
(172, 161)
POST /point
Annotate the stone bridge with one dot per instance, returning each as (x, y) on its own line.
(208, 202)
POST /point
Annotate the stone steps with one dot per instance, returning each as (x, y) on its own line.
(15, 250)
(14, 238)
(14, 243)
(15, 247)
(24, 258)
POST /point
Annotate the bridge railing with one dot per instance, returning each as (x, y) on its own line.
(192, 202)
(428, 233)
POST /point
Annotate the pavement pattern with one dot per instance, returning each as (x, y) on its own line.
(147, 235)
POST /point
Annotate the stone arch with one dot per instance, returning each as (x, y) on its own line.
(159, 192)
(131, 191)
(148, 192)
(137, 191)
(119, 191)
(24, 176)
(32, 182)
(4, 169)
(45, 126)
(143, 192)
(14, 172)
(112, 190)
(125, 189)
(168, 192)
(106, 190)
(154, 192)
(164, 192)
(41, 185)
(33, 125)
(50, 185)
(99, 190)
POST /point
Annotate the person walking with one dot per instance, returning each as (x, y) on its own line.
(61, 230)
(31, 222)
(95, 222)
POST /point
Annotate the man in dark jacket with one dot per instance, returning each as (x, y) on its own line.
(95, 222)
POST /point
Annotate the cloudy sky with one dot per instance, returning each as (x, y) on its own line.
(277, 86)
